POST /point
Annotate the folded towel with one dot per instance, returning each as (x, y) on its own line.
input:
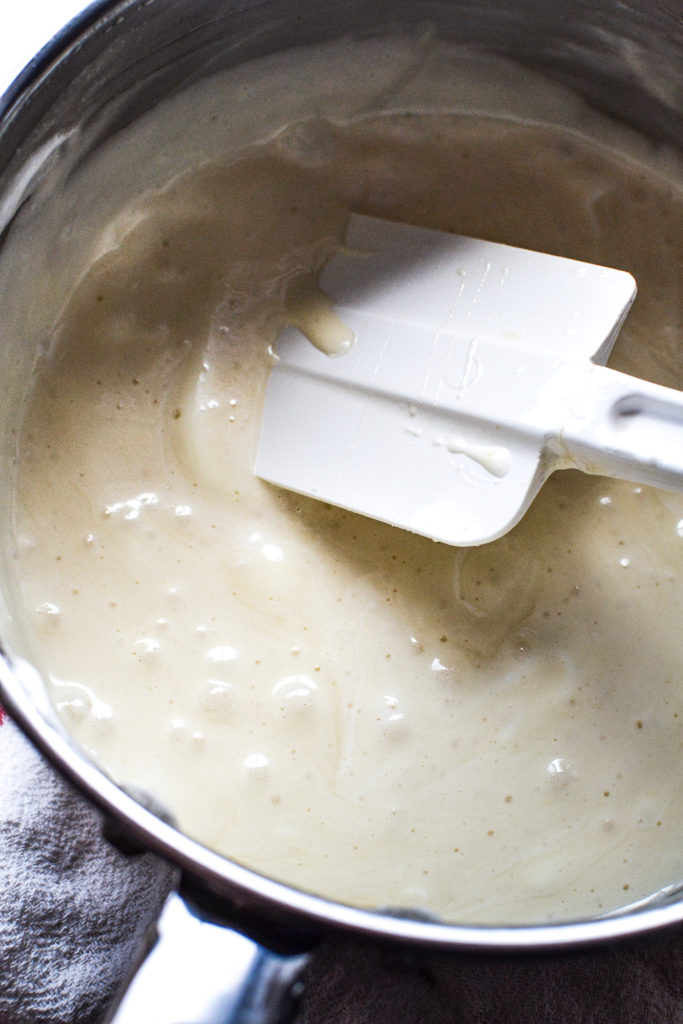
(636, 983)
(73, 911)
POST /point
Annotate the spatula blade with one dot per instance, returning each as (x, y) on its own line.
(384, 459)
(437, 419)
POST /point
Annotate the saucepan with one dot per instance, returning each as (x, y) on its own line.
(242, 936)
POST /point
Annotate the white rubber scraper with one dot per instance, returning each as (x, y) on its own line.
(475, 370)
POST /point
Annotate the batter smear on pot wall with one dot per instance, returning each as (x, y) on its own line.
(490, 734)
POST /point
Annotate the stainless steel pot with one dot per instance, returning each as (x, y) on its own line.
(110, 65)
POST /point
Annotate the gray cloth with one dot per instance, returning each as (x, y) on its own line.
(640, 983)
(73, 911)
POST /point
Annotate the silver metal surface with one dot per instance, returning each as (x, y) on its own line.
(115, 62)
(198, 972)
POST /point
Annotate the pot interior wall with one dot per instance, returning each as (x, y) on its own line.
(126, 57)
(123, 58)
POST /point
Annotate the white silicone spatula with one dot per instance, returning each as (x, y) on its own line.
(476, 369)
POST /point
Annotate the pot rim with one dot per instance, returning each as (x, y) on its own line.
(227, 878)
(86, 14)
(215, 872)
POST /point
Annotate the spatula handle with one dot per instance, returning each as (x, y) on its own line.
(625, 427)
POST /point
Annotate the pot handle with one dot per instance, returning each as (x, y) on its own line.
(194, 971)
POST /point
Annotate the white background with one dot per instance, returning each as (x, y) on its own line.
(25, 27)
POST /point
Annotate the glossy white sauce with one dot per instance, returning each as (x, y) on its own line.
(492, 734)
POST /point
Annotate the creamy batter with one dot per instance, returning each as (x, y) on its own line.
(493, 734)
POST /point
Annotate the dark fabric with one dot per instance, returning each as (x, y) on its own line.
(637, 983)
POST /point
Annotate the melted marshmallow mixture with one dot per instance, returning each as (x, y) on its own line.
(492, 734)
